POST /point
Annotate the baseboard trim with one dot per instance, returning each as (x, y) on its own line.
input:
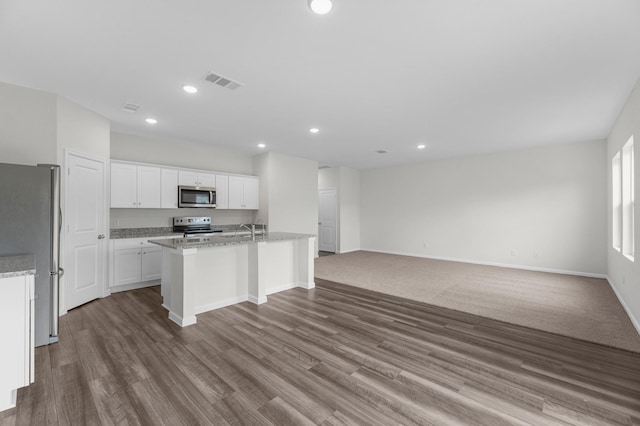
(633, 319)
(258, 300)
(221, 304)
(134, 286)
(348, 251)
(182, 322)
(501, 265)
(281, 288)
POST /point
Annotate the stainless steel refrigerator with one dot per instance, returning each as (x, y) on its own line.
(30, 223)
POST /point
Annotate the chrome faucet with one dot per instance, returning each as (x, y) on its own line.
(252, 229)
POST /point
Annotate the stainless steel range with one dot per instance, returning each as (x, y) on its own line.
(193, 226)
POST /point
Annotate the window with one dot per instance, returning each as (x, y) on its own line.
(623, 198)
(616, 180)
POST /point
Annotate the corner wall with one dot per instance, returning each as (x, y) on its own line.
(288, 193)
(624, 275)
(540, 208)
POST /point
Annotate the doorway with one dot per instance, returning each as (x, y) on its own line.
(327, 220)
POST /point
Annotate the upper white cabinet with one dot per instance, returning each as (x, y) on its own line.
(222, 191)
(134, 186)
(169, 185)
(193, 178)
(243, 193)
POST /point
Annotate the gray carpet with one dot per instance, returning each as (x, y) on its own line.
(579, 307)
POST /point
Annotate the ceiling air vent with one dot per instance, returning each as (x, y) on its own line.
(222, 81)
(381, 151)
(131, 107)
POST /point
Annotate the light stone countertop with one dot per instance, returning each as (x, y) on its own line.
(122, 233)
(230, 240)
(17, 266)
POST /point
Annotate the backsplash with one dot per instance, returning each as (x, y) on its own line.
(152, 218)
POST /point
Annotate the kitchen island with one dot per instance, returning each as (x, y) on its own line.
(202, 274)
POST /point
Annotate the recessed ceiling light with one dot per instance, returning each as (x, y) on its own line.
(320, 6)
(151, 120)
(422, 146)
(261, 145)
(314, 130)
(190, 89)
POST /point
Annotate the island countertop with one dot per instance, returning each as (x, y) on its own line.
(204, 242)
(15, 266)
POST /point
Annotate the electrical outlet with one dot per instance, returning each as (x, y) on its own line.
(535, 254)
(514, 252)
(424, 244)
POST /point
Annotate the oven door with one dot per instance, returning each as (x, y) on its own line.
(196, 196)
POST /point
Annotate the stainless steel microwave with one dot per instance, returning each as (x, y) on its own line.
(196, 196)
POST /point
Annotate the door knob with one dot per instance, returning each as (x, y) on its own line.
(101, 237)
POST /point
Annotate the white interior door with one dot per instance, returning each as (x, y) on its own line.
(327, 216)
(84, 210)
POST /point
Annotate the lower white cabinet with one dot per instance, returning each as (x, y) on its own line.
(134, 261)
(16, 329)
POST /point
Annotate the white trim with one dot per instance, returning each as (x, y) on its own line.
(257, 300)
(281, 288)
(221, 304)
(633, 319)
(134, 286)
(307, 286)
(349, 251)
(182, 322)
(502, 265)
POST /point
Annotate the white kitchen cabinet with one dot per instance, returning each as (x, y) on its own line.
(148, 187)
(169, 185)
(135, 261)
(124, 189)
(193, 178)
(222, 192)
(243, 193)
(134, 186)
(16, 328)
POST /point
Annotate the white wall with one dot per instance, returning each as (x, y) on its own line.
(624, 274)
(289, 187)
(179, 153)
(28, 123)
(547, 205)
(349, 211)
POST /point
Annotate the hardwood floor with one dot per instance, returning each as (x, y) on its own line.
(330, 356)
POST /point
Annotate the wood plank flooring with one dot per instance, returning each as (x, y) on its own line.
(330, 356)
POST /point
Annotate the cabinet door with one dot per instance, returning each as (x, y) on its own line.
(222, 192)
(151, 267)
(207, 179)
(148, 187)
(236, 192)
(169, 187)
(14, 329)
(251, 193)
(124, 186)
(188, 178)
(127, 266)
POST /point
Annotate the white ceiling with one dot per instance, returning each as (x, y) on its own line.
(462, 76)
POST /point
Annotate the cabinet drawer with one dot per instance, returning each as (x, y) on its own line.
(129, 243)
